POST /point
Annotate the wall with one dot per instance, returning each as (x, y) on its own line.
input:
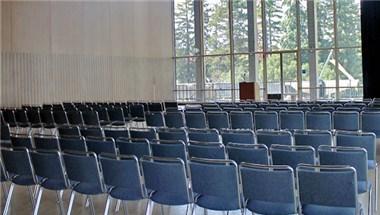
(94, 51)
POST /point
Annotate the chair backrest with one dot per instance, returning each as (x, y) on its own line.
(175, 119)
(155, 107)
(195, 119)
(203, 135)
(136, 147)
(327, 186)
(75, 117)
(116, 114)
(370, 122)
(364, 140)
(47, 116)
(48, 166)
(5, 134)
(3, 174)
(250, 153)
(268, 189)
(137, 110)
(155, 119)
(346, 120)
(144, 133)
(217, 184)
(60, 117)
(274, 137)
(167, 180)
(218, 119)
(292, 120)
(93, 131)
(241, 120)
(22, 140)
(9, 116)
(169, 149)
(207, 150)
(304, 109)
(116, 132)
(18, 166)
(319, 120)
(69, 130)
(102, 113)
(84, 171)
(33, 115)
(73, 143)
(238, 136)
(101, 145)
(173, 134)
(21, 116)
(48, 142)
(292, 155)
(128, 184)
(266, 120)
(313, 138)
(91, 118)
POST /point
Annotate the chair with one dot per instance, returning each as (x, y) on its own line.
(90, 118)
(292, 155)
(92, 131)
(349, 108)
(303, 109)
(47, 118)
(370, 122)
(46, 142)
(238, 136)
(69, 130)
(274, 137)
(102, 111)
(351, 156)
(75, 117)
(116, 132)
(9, 117)
(171, 105)
(241, 120)
(318, 120)
(249, 153)
(169, 149)
(137, 112)
(21, 118)
(5, 135)
(203, 135)
(60, 117)
(51, 175)
(314, 138)
(155, 107)
(154, 119)
(83, 171)
(166, 181)
(173, 134)
(20, 170)
(174, 119)
(196, 119)
(292, 120)
(216, 184)
(346, 120)
(268, 190)
(72, 143)
(22, 140)
(266, 120)
(144, 133)
(328, 190)
(116, 116)
(218, 119)
(101, 145)
(136, 147)
(207, 150)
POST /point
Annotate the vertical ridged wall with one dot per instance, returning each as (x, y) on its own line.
(93, 51)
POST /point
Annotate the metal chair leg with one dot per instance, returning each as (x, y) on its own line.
(5, 190)
(193, 209)
(38, 201)
(108, 203)
(125, 207)
(92, 205)
(9, 199)
(376, 186)
(149, 207)
(71, 202)
(162, 210)
(60, 202)
(32, 195)
(117, 209)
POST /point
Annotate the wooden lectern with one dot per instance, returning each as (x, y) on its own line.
(249, 91)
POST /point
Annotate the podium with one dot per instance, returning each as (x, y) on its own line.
(249, 91)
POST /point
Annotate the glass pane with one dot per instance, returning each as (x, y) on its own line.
(289, 64)
(326, 74)
(259, 25)
(305, 75)
(350, 72)
(186, 78)
(216, 31)
(240, 20)
(303, 24)
(218, 78)
(184, 27)
(273, 74)
(325, 23)
(348, 23)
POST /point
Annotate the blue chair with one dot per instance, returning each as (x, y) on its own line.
(92, 131)
(216, 184)
(116, 132)
(68, 130)
(169, 149)
(136, 147)
(19, 169)
(249, 153)
(266, 120)
(318, 120)
(173, 134)
(274, 137)
(218, 119)
(137, 112)
(91, 118)
(73, 143)
(303, 109)
(47, 118)
(143, 133)
(238, 136)
(314, 138)
(155, 119)
(203, 135)
(60, 117)
(175, 119)
(4, 178)
(83, 171)
(48, 142)
(116, 116)
(21, 140)
(241, 120)
(101, 145)
(268, 190)
(370, 122)
(292, 120)
(5, 135)
(207, 150)
(346, 120)
(75, 117)
(128, 185)
(166, 181)
(328, 190)
(195, 119)
(229, 109)
(349, 108)
(292, 155)
(350, 156)
(323, 109)
(51, 175)
(155, 107)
